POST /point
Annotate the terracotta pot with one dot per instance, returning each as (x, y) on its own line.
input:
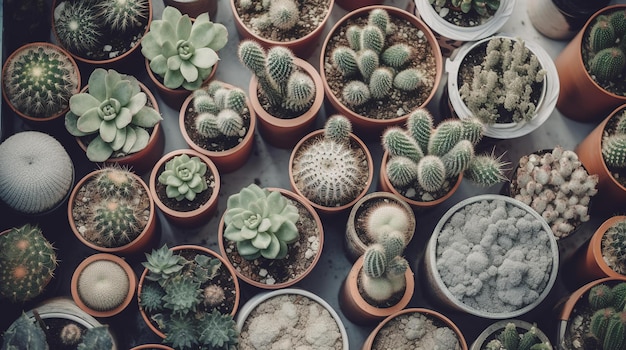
(351, 5)
(174, 97)
(194, 8)
(228, 160)
(418, 206)
(581, 98)
(355, 140)
(192, 218)
(143, 241)
(201, 250)
(355, 246)
(363, 125)
(301, 47)
(141, 161)
(495, 328)
(288, 283)
(285, 133)
(47, 120)
(368, 345)
(357, 309)
(611, 194)
(130, 293)
(561, 19)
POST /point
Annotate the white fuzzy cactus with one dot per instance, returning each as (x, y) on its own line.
(103, 285)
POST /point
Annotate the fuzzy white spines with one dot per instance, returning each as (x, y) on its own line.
(103, 285)
(36, 172)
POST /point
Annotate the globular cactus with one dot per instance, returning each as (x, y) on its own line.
(396, 55)
(117, 183)
(356, 93)
(116, 223)
(600, 296)
(77, 26)
(602, 34)
(481, 7)
(614, 247)
(345, 59)
(383, 269)
(39, 80)
(213, 295)
(38, 172)
(619, 296)
(24, 333)
(71, 334)
(387, 216)
(618, 21)
(409, 79)
(381, 82)
(511, 339)
(607, 64)
(122, 15)
(103, 285)
(284, 14)
(600, 322)
(220, 111)
(606, 60)
(27, 263)
(615, 337)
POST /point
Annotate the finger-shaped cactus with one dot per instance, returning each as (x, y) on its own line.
(431, 173)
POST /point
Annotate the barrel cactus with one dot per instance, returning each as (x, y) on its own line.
(103, 285)
(38, 174)
(614, 247)
(614, 143)
(27, 261)
(607, 324)
(605, 59)
(383, 272)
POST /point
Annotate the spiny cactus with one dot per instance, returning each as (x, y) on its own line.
(608, 323)
(27, 263)
(116, 222)
(608, 63)
(117, 183)
(71, 334)
(278, 15)
(614, 144)
(77, 26)
(510, 339)
(328, 170)
(213, 295)
(124, 14)
(383, 269)
(606, 59)
(262, 223)
(184, 177)
(614, 247)
(38, 174)
(103, 285)
(386, 217)
(600, 296)
(219, 110)
(24, 334)
(39, 80)
(424, 156)
(280, 79)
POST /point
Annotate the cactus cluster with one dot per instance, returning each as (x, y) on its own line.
(281, 81)
(428, 157)
(27, 263)
(557, 186)
(375, 68)
(383, 272)
(39, 80)
(614, 142)
(605, 41)
(504, 82)
(182, 295)
(481, 7)
(116, 110)
(220, 111)
(327, 169)
(608, 323)
(103, 285)
(614, 247)
(184, 177)
(280, 15)
(510, 339)
(262, 223)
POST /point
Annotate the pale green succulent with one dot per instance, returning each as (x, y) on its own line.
(183, 52)
(116, 109)
(184, 177)
(261, 222)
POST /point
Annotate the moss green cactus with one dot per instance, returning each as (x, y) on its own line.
(614, 247)
(614, 145)
(606, 60)
(220, 111)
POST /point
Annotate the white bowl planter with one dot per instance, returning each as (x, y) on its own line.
(491, 256)
(545, 106)
(276, 327)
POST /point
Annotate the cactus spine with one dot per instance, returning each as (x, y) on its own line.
(124, 14)
(77, 26)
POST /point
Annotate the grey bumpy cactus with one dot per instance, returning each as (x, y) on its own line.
(39, 80)
(38, 174)
(606, 42)
(262, 223)
(327, 169)
(27, 263)
(280, 79)
(614, 143)
(505, 79)
(184, 177)
(280, 15)
(219, 111)
(374, 67)
(424, 156)
(384, 267)
(614, 247)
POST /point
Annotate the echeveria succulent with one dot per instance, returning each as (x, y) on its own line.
(184, 177)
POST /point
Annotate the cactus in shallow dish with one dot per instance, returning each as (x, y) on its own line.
(183, 52)
(184, 177)
(424, 157)
(219, 111)
(383, 272)
(614, 247)
(116, 110)
(261, 222)
(39, 80)
(282, 82)
(27, 263)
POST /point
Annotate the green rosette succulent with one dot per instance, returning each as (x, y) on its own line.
(183, 52)
(184, 177)
(262, 223)
(116, 109)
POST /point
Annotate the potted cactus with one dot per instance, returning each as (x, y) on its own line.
(185, 185)
(40, 176)
(380, 282)
(103, 285)
(188, 295)
(28, 263)
(331, 168)
(38, 80)
(101, 33)
(111, 210)
(285, 91)
(294, 24)
(512, 334)
(116, 119)
(181, 53)
(424, 164)
(271, 236)
(591, 67)
(372, 74)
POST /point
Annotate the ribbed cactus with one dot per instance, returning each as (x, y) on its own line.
(117, 183)
(328, 170)
(608, 323)
(39, 80)
(615, 337)
(509, 338)
(614, 247)
(607, 64)
(24, 333)
(77, 26)
(614, 144)
(103, 285)
(219, 111)
(116, 222)
(383, 269)
(600, 296)
(619, 296)
(602, 34)
(27, 263)
(600, 322)
(426, 156)
(282, 82)
(38, 172)
(124, 14)
(481, 7)
(606, 60)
